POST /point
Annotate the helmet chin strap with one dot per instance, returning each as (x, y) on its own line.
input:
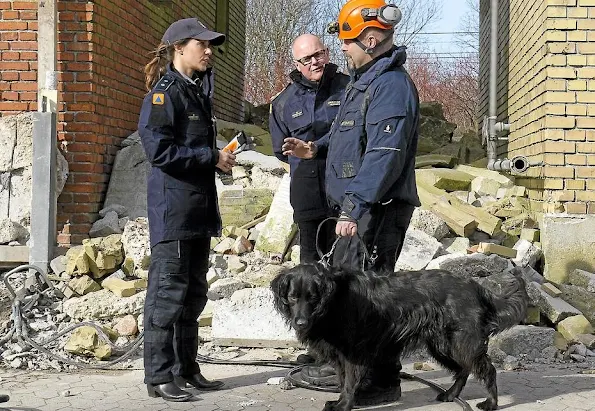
(370, 50)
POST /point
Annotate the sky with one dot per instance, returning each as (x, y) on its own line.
(450, 21)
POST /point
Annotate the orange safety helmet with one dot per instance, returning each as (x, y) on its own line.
(357, 15)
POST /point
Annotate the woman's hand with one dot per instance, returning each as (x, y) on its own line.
(226, 161)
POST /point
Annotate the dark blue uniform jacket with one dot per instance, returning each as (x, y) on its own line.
(372, 144)
(306, 110)
(178, 135)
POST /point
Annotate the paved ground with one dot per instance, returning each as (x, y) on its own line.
(544, 388)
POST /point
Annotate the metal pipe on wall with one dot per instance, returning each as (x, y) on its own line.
(518, 164)
(492, 139)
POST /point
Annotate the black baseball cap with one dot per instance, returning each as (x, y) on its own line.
(191, 28)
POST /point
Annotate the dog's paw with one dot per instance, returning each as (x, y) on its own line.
(488, 405)
(445, 397)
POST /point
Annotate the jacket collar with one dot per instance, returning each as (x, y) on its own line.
(329, 72)
(395, 57)
(197, 78)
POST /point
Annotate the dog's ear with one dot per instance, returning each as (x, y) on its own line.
(280, 288)
(326, 285)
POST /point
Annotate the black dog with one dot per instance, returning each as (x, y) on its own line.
(351, 319)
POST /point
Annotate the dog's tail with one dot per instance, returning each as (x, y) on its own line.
(510, 308)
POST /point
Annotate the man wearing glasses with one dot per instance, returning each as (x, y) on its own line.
(370, 173)
(305, 110)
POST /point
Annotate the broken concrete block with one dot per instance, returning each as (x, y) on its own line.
(119, 287)
(555, 309)
(560, 342)
(241, 246)
(234, 232)
(126, 326)
(563, 252)
(583, 279)
(418, 250)
(212, 275)
(86, 341)
(239, 205)
(587, 339)
(206, 317)
(579, 298)
(445, 179)
(456, 245)
(117, 208)
(429, 223)
(527, 254)
(295, 254)
(103, 304)
(533, 316)
(530, 234)
(84, 285)
(106, 226)
(551, 289)
(572, 326)
(225, 287)
(490, 248)
(279, 228)
(484, 172)
(523, 339)
(224, 246)
(249, 319)
(77, 262)
(141, 283)
(235, 265)
(485, 186)
(58, 264)
(136, 246)
(238, 172)
(12, 231)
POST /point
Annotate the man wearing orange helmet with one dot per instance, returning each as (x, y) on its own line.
(370, 169)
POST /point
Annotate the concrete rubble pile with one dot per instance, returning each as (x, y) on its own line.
(16, 165)
(473, 222)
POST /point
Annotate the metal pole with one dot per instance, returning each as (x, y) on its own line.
(492, 140)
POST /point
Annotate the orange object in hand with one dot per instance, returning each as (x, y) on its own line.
(235, 143)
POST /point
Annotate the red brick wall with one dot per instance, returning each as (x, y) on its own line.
(103, 47)
(18, 56)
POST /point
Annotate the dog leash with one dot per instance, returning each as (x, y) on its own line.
(325, 259)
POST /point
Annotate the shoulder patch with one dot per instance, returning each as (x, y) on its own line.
(158, 99)
(164, 83)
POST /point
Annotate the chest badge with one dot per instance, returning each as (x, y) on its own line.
(193, 117)
(347, 123)
(334, 103)
(158, 99)
(297, 114)
(388, 129)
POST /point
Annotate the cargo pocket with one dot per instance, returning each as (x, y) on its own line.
(171, 292)
(307, 195)
(187, 205)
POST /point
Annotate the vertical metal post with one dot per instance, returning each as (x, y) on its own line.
(43, 198)
(492, 142)
(43, 194)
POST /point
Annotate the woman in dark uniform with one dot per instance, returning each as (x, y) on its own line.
(177, 131)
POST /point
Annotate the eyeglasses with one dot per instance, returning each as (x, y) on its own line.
(319, 55)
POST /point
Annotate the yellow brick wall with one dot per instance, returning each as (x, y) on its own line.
(546, 84)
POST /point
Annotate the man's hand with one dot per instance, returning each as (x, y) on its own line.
(346, 226)
(226, 161)
(295, 147)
